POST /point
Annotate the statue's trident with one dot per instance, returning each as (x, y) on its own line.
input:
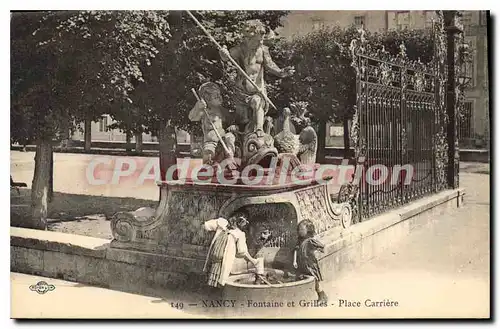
(232, 60)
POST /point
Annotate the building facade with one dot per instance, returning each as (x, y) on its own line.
(474, 126)
(101, 133)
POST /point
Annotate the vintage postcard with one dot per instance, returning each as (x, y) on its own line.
(250, 164)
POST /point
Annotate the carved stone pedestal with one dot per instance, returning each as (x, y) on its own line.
(175, 228)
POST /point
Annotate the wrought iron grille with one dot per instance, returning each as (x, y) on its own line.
(396, 111)
(466, 126)
(400, 125)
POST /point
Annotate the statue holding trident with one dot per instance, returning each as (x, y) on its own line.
(251, 55)
(251, 58)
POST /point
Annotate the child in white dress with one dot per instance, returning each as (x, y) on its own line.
(228, 243)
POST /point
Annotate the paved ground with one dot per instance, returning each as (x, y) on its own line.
(73, 300)
(79, 204)
(440, 270)
(71, 175)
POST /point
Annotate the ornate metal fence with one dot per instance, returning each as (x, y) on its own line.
(400, 138)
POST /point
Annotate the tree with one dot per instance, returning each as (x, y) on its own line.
(36, 108)
(49, 87)
(325, 82)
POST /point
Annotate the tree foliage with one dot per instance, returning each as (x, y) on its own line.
(38, 82)
(189, 60)
(325, 82)
(139, 66)
(68, 66)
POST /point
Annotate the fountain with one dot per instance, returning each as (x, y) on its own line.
(276, 203)
(280, 286)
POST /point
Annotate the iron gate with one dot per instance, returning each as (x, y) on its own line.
(399, 131)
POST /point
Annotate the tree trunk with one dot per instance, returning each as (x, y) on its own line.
(320, 157)
(88, 134)
(138, 143)
(40, 186)
(51, 176)
(64, 134)
(167, 146)
(347, 140)
(128, 137)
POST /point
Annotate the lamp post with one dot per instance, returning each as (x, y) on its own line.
(463, 80)
(465, 75)
(452, 28)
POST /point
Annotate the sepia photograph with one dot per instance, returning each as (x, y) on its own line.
(250, 164)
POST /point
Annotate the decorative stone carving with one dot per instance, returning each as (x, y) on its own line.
(258, 149)
(249, 90)
(349, 193)
(303, 145)
(275, 210)
(122, 225)
(346, 215)
(316, 206)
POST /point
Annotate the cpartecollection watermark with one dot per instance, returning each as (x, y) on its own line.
(42, 287)
(105, 170)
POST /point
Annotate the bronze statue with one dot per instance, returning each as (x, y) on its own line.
(254, 58)
(209, 110)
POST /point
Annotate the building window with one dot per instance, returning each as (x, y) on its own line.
(483, 18)
(332, 131)
(471, 73)
(317, 24)
(336, 131)
(359, 21)
(470, 66)
(103, 123)
(403, 20)
(466, 125)
(429, 18)
(466, 18)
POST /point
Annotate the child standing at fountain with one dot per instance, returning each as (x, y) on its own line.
(228, 243)
(304, 258)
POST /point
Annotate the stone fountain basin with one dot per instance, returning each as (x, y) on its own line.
(276, 292)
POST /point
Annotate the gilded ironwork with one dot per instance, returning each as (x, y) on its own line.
(418, 81)
(441, 119)
(399, 122)
(355, 129)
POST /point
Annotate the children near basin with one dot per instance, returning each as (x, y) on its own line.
(304, 258)
(228, 243)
